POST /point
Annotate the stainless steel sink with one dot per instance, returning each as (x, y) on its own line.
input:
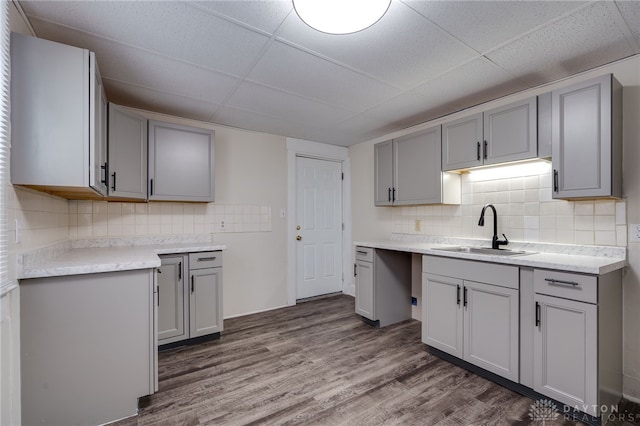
(484, 250)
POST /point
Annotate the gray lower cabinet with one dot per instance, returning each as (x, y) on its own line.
(499, 135)
(190, 296)
(181, 163)
(383, 285)
(58, 118)
(408, 171)
(171, 299)
(471, 310)
(577, 339)
(587, 139)
(87, 347)
(127, 154)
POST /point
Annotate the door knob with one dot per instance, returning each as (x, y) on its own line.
(298, 237)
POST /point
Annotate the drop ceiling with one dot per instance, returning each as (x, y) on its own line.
(255, 65)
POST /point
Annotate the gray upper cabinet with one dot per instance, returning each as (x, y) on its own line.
(383, 171)
(127, 154)
(462, 143)
(499, 135)
(58, 118)
(511, 132)
(181, 163)
(408, 171)
(587, 139)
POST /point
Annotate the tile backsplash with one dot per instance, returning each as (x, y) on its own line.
(112, 219)
(526, 212)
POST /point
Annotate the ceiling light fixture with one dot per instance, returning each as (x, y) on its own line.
(340, 16)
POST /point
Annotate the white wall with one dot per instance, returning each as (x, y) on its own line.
(529, 213)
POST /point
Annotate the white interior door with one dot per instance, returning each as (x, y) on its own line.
(319, 227)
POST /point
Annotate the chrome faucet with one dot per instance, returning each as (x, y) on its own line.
(495, 242)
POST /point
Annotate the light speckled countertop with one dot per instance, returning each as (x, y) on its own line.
(90, 256)
(596, 260)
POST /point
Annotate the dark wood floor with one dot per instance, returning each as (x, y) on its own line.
(317, 363)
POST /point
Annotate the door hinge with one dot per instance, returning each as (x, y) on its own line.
(342, 176)
(343, 226)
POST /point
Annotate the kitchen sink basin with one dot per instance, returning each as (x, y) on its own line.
(484, 250)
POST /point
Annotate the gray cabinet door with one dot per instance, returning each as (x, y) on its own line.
(205, 302)
(85, 338)
(565, 352)
(98, 119)
(511, 132)
(383, 173)
(50, 114)
(127, 154)
(585, 139)
(365, 294)
(417, 161)
(181, 163)
(491, 324)
(171, 301)
(442, 318)
(462, 143)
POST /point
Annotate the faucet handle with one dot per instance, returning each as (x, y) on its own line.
(505, 242)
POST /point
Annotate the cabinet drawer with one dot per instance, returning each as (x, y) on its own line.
(566, 285)
(364, 253)
(205, 259)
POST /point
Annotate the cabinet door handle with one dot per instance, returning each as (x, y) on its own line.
(206, 259)
(464, 303)
(389, 194)
(179, 271)
(355, 269)
(193, 284)
(113, 175)
(562, 282)
(393, 196)
(458, 295)
(150, 186)
(555, 180)
(485, 149)
(537, 314)
(158, 292)
(105, 167)
(478, 150)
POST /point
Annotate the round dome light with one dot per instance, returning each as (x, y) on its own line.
(340, 16)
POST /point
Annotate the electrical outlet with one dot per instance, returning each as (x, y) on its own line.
(634, 233)
(283, 213)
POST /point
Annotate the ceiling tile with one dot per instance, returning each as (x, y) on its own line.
(486, 24)
(295, 71)
(239, 118)
(266, 15)
(173, 29)
(402, 49)
(470, 84)
(143, 68)
(153, 100)
(630, 10)
(267, 101)
(586, 39)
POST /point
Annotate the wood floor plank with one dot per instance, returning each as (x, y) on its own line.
(317, 363)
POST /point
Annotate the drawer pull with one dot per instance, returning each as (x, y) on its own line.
(562, 282)
(361, 252)
(206, 259)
